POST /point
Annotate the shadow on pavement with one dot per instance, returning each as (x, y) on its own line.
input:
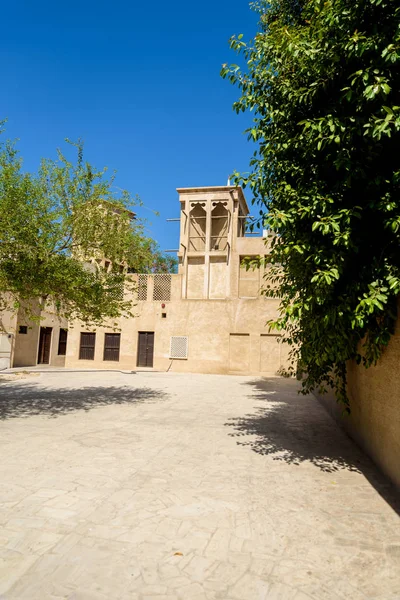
(30, 399)
(294, 428)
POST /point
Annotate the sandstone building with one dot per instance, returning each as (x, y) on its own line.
(209, 317)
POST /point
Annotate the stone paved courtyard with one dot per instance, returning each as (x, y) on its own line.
(174, 486)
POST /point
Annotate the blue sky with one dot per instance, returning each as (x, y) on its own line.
(139, 82)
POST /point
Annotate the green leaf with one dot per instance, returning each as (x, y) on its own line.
(68, 237)
(326, 175)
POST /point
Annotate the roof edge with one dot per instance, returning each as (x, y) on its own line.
(216, 188)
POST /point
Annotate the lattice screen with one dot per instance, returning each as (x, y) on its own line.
(116, 291)
(162, 287)
(142, 287)
(179, 346)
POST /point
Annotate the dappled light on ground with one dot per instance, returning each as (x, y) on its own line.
(284, 426)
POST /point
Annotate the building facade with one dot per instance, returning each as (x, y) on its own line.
(209, 317)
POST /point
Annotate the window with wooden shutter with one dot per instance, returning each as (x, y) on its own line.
(62, 342)
(112, 342)
(86, 349)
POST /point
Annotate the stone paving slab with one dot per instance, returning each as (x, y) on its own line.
(186, 487)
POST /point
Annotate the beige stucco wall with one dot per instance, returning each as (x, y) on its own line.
(374, 395)
(218, 280)
(24, 346)
(51, 320)
(208, 324)
(375, 408)
(8, 321)
(221, 312)
(8, 328)
(195, 278)
(213, 302)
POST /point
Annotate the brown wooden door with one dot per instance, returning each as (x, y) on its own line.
(44, 345)
(145, 349)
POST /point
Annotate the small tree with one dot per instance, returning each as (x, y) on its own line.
(162, 262)
(53, 225)
(323, 80)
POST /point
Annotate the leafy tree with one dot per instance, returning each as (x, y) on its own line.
(57, 227)
(322, 78)
(160, 262)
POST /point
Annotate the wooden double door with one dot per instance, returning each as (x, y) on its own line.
(44, 345)
(145, 354)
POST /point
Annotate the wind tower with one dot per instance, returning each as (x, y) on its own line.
(212, 228)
